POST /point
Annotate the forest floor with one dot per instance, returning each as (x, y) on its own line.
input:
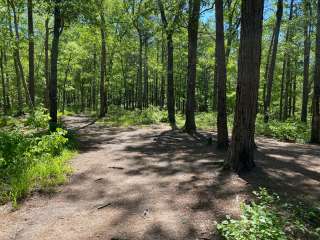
(153, 183)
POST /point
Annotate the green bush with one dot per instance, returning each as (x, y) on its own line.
(270, 219)
(28, 162)
(39, 118)
(292, 130)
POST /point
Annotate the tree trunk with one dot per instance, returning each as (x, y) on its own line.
(17, 54)
(140, 68)
(103, 65)
(286, 71)
(170, 82)
(193, 25)
(54, 66)
(3, 81)
(273, 61)
(145, 74)
(46, 64)
(241, 152)
(16, 68)
(315, 131)
(31, 52)
(306, 62)
(222, 138)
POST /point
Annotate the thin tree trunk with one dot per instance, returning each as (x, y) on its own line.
(140, 68)
(46, 64)
(3, 81)
(54, 66)
(273, 61)
(170, 83)
(103, 65)
(241, 152)
(315, 130)
(17, 54)
(31, 52)
(306, 62)
(223, 140)
(193, 25)
(145, 74)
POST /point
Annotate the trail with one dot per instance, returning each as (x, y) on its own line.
(152, 183)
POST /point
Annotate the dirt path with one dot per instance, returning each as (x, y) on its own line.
(151, 183)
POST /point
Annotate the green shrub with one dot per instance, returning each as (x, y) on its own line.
(258, 221)
(270, 219)
(291, 130)
(39, 118)
(28, 162)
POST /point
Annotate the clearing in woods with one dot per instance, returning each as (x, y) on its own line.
(153, 183)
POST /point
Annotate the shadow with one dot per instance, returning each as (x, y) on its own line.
(179, 179)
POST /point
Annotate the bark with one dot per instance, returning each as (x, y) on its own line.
(16, 68)
(17, 54)
(46, 64)
(273, 61)
(54, 66)
(65, 84)
(31, 52)
(193, 25)
(145, 74)
(3, 82)
(306, 61)
(215, 89)
(286, 70)
(170, 80)
(222, 137)
(103, 64)
(315, 130)
(241, 152)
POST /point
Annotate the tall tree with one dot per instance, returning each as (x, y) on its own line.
(272, 64)
(193, 27)
(31, 52)
(103, 63)
(306, 58)
(57, 28)
(46, 63)
(3, 82)
(169, 26)
(223, 139)
(315, 131)
(241, 152)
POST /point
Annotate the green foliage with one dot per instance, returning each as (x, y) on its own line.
(117, 116)
(269, 219)
(39, 118)
(28, 162)
(292, 130)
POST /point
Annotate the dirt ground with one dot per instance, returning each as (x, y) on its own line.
(152, 183)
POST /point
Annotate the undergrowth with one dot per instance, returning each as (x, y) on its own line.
(31, 158)
(292, 130)
(269, 218)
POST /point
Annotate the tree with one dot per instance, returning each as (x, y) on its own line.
(169, 26)
(223, 139)
(306, 58)
(272, 64)
(31, 52)
(193, 25)
(315, 131)
(57, 28)
(241, 152)
(103, 63)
